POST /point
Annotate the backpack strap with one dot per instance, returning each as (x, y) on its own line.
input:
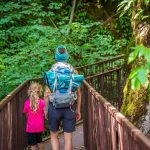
(74, 94)
(70, 84)
(55, 82)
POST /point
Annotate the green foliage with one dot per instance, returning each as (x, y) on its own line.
(55, 6)
(2, 67)
(123, 27)
(28, 40)
(139, 74)
(127, 6)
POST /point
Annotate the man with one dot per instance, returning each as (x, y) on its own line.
(67, 116)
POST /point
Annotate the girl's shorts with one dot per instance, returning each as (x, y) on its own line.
(56, 116)
(34, 138)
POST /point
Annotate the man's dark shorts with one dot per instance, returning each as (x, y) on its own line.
(34, 138)
(56, 115)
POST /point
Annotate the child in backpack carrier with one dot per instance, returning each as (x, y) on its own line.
(34, 110)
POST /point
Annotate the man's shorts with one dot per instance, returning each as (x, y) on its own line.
(58, 115)
(34, 138)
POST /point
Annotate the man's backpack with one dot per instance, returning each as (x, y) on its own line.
(60, 81)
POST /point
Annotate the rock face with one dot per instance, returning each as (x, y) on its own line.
(144, 122)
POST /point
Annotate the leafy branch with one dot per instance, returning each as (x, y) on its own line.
(140, 74)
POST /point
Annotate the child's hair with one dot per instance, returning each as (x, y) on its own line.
(34, 91)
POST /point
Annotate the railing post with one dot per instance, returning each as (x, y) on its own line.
(119, 95)
(85, 111)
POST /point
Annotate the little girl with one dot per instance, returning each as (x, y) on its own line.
(34, 110)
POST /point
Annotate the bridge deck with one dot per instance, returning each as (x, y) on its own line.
(77, 140)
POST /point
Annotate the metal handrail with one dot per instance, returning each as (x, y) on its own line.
(12, 121)
(108, 128)
(102, 61)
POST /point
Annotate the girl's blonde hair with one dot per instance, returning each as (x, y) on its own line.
(34, 91)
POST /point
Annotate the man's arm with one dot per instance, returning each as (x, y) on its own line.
(78, 109)
(47, 91)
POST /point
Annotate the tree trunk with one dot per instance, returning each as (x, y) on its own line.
(136, 101)
(72, 15)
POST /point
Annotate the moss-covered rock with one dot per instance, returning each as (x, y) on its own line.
(134, 105)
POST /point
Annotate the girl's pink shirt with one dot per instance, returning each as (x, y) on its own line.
(35, 120)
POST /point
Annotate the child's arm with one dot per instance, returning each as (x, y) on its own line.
(78, 109)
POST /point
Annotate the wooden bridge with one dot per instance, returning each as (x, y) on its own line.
(104, 128)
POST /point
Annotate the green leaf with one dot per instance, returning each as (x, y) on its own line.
(135, 83)
(144, 17)
(140, 49)
(147, 54)
(142, 75)
(148, 66)
(148, 87)
(146, 1)
(132, 56)
(139, 13)
(2, 67)
(133, 73)
(138, 77)
(86, 46)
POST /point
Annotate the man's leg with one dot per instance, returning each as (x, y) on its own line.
(41, 146)
(54, 119)
(69, 120)
(54, 140)
(33, 147)
(68, 141)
